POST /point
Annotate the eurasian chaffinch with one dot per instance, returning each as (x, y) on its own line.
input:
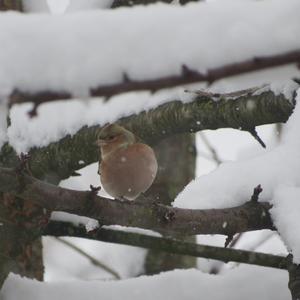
(128, 167)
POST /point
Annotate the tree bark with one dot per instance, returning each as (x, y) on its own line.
(59, 160)
(20, 247)
(251, 215)
(294, 280)
(176, 160)
(20, 251)
(11, 5)
(57, 229)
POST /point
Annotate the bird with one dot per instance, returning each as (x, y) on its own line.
(127, 168)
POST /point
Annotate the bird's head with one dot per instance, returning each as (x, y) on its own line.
(112, 137)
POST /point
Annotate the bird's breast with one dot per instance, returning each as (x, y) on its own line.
(129, 171)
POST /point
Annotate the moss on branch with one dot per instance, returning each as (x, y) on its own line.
(60, 159)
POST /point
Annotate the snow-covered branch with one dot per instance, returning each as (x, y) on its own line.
(249, 216)
(243, 110)
(186, 76)
(91, 60)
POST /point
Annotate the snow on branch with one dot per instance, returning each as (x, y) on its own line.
(187, 76)
(286, 216)
(104, 54)
(249, 216)
(243, 110)
(276, 170)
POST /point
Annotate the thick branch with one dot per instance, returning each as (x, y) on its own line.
(246, 110)
(168, 245)
(249, 216)
(294, 280)
(186, 76)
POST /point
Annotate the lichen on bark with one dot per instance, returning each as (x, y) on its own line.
(59, 160)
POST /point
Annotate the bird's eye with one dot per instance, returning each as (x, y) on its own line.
(110, 137)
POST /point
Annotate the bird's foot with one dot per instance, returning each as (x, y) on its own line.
(95, 189)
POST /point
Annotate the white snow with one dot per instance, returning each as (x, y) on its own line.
(245, 282)
(63, 263)
(79, 51)
(133, 230)
(73, 219)
(58, 6)
(286, 216)
(91, 225)
(233, 182)
(285, 87)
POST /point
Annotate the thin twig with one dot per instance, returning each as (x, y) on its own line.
(235, 239)
(254, 133)
(93, 260)
(55, 228)
(257, 190)
(234, 242)
(212, 150)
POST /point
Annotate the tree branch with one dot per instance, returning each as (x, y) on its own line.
(294, 279)
(249, 216)
(247, 109)
(168, 245)
(186, 76)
